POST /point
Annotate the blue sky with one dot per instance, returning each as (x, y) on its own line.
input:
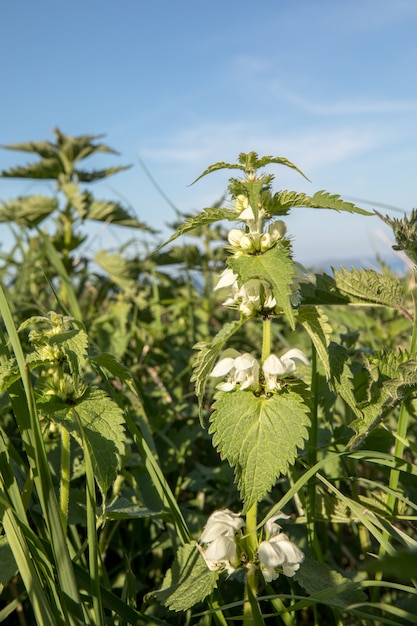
(329, 84)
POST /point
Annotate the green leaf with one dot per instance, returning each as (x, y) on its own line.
(110, 363)
(318, 579)
(276, 267)
(259, 436)
(283, 201)
(325, 200)
(208, 216)
(123, 508)
(369, 287)
(8, 564)
(316, 324)
(322, 291)
(341, 376)
(9, 373)
(248, 162)
(267, 160)
(207, 356)
(221, 165)
(393, 379)
(188, 582)
(113, 213)
(402, 565)
(28, 211)
(59, 158)
(73, 344)
(103, 428)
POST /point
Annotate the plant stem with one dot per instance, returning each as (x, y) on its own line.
(266, 338)
(312, 460)
(251, 570)
(65, 477)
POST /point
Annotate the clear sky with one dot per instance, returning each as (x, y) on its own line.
(329, 84)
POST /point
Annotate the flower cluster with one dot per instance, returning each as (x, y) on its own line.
(242, 370)
(219, 542)
(254, 296)
(219, 538)
(277, 551)
(253, 238)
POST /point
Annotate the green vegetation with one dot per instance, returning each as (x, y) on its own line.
(205, 433)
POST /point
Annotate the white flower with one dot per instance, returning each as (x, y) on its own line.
(254, 295)
(241, 203)
(226, 279)
(235, 235)
(274, 366)
(278, 551)
(219, 538)
(277, 229)
(242, 370)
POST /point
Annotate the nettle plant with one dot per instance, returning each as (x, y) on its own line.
(264, 414)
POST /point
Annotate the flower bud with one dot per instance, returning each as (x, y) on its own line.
(265, 242)
(235, 235)
(277, 230)
(246, 243)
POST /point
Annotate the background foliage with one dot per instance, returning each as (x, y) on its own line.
(107, 475)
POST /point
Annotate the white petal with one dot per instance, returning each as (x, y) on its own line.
(270, 554)
(227, 386)
(221, 549)
(226, 279)
(223, 367)
(292, 553)
(234, 236)
(295, 354)
(272, 366)
(247, 214)
(269, 573)
(289, 570)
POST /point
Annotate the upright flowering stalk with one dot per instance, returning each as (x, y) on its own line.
(260, 414)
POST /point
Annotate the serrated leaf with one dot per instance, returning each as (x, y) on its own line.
(188, 582)
(113, 213)
(28, 211)
(117, 369)
(267, 160)
(324, 200)
(283, 201)
(221, 165)
(341, 376)
(322, 291)
(9, 373)
(259, 436)
(393, 378)
(318, 578)
(74, 344)
(276, 268)
(103, 430)
(208, 216)
(207, 356)
(316, 324)
(369, 287)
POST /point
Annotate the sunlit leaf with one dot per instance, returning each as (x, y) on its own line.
(103, 429)
(28, 211)
(207, 356)
(188, 581)
(259, 436)
(276, 268)
(317, 325)
(208, 216)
